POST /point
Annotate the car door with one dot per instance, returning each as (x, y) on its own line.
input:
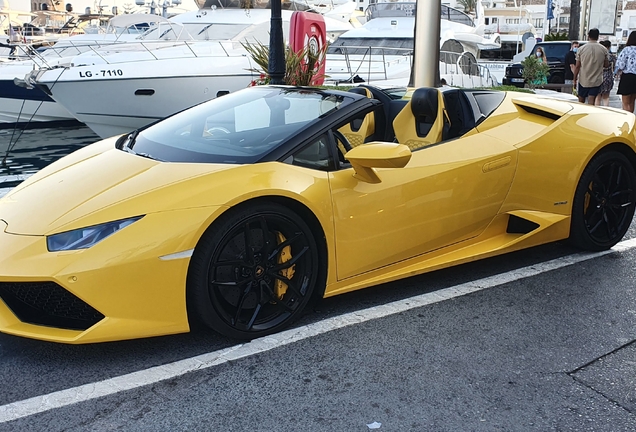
(447, 193)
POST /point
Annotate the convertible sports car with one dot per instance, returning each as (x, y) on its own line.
(239, 212)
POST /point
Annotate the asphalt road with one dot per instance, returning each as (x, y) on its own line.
(553, 350)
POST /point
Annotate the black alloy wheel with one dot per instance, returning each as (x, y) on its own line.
(603, 205)
(254, 272)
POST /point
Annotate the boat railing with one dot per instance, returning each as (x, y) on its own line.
(50, 56)
(157, 47)
(372, 63)
(462, 70)
(368, 62)
(16, 52)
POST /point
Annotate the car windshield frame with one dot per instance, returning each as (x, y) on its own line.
(239, 128)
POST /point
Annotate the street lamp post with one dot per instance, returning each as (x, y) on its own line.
(276, 64)
(425, 70)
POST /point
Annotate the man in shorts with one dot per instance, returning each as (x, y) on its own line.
(591, 58)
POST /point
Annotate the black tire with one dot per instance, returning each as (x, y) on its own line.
(603, 205)
(248, 292)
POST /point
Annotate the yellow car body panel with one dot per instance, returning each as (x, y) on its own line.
(129, 264)
(153, 288)
(450, 204)
(391, 221)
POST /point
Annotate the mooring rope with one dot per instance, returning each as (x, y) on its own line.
(13, 143)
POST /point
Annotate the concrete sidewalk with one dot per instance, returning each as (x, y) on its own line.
(615, 99)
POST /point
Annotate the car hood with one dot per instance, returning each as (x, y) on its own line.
(99, 184)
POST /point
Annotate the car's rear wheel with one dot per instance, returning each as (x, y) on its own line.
(603, 205)
(254, 271)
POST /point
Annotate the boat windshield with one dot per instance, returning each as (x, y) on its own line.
(237, 128)
(377, 46)
(293, 5)
(405, 8)
(198, 31)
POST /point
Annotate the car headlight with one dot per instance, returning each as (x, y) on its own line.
(84, 238)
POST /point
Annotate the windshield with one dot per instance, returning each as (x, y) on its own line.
(554, 52)
(237, 128)
(198, 31)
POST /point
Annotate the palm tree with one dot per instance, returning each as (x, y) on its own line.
(469, 5)
(575, 14)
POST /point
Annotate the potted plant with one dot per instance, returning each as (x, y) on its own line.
(301, 68)
(535, 72)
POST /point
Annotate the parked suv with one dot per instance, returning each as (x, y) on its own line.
(555, 52)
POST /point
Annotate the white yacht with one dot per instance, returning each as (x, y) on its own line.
(116, 89)
(514, 26)
(381, 51)
(19, 104)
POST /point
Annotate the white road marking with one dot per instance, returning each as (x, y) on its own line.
(62, 398)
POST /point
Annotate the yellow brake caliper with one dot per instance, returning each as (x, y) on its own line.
(588, 197)
(280, 287)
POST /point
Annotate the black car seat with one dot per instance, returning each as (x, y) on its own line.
(459, 112)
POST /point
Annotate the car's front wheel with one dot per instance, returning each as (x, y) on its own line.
(603, 205)
(253, 272)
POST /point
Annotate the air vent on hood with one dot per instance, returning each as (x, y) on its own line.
(549, 108)
(542, 113)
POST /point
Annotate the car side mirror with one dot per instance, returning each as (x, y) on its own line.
(377, 155)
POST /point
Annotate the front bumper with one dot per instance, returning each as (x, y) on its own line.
(130, 285)
(517, 82)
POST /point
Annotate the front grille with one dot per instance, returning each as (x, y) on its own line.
(48, 304)
(514, 72)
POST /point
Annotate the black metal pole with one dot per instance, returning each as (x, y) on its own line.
(276, 65)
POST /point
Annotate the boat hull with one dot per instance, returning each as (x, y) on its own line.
(31, 111)
(25, 105)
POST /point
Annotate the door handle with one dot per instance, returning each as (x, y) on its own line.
(496, 164)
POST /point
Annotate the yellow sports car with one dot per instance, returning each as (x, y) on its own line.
(238, 212)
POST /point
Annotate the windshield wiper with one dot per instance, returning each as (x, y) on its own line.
(128, 149)
(165, 33)
(204, 29)
(149, 156)
(130, 140)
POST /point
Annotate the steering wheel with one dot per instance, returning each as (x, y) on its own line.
(217, 129)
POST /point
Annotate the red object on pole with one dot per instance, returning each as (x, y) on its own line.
(308, 29)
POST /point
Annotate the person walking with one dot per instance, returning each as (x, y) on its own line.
(608, 76)
(626, 69)
(591, 58)
(570, 64)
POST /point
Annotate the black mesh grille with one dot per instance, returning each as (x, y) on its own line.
(48, 304)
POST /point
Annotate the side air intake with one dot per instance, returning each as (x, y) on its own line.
(517, 225)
